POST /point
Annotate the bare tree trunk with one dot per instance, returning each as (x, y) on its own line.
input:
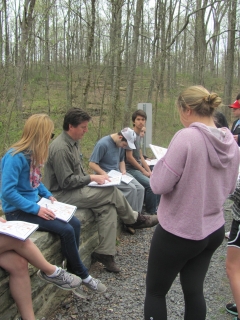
(47, 54)
(229, 64)
(1, 38)
(116, 50)
(55, 31)
(25, 24)
(89, 52)
(126, 35)
(238, 64)
(68, 60)
(133, 60)
(163, 43)
(155, 52)
(200, 46)
(6, 58)
(218, 13)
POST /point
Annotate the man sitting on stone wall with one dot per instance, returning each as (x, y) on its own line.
(108, 154)
(137, 166)
(68, 182)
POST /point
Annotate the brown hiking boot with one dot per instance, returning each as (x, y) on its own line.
(144, 221)
(106, 260)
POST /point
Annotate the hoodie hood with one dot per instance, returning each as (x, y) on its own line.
(221, 146)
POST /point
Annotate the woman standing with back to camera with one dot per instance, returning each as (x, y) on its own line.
(197, 174)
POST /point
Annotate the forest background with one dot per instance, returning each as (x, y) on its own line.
(106, 56)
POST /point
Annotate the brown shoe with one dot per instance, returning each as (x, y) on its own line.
(144, 221)
(130, 230)
(106, 260)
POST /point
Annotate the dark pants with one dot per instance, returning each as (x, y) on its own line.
(69, 234)
(151, 199)
(170, 255)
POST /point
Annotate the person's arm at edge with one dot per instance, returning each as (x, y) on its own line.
(10, 175)
(43, 191)
(238, 140)
(95, 167)
(133, 162)
(144, 163)
(122, 167)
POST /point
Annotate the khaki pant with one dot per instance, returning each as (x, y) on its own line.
(106, 203)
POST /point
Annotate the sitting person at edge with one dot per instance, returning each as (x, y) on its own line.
(108, 154)
(137, 166)
(22, 186)
(67, 180)
(236, 124)
(233, 253)
(195, 177)
(14, 257)
(142, 134)
(220, 119)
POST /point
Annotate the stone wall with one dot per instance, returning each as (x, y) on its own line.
(46, 296)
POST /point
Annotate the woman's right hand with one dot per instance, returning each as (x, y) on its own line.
(46, 214)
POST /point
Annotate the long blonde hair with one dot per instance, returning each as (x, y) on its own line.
(35, 138)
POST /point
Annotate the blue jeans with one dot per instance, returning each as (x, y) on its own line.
(151, 199)
(69, 234)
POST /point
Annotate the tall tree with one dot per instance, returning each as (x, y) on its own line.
(91, 31)
(200, 46)
(229, 64)
(133, 60)
(26, 21)
(116, 49)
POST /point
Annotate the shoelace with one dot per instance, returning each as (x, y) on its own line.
(93, 283)
(65, 276)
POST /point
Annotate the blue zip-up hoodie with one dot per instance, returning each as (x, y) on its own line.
(17, 192)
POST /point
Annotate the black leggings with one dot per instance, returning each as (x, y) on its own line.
(170, 255)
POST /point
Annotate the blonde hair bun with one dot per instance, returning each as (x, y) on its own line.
(200, 100)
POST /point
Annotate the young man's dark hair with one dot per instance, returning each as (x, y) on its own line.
(138, 112)
(123, 138)
(238, 97)
(75, 116)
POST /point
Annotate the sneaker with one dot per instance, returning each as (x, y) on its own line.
(227, 234)
(144, 221)
(79, 293)
(107, 261)
(95, 285)
(232, 308)
(63, 280)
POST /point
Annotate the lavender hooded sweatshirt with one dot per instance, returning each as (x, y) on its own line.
(194, 178)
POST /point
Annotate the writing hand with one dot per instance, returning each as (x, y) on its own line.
(100, 178)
